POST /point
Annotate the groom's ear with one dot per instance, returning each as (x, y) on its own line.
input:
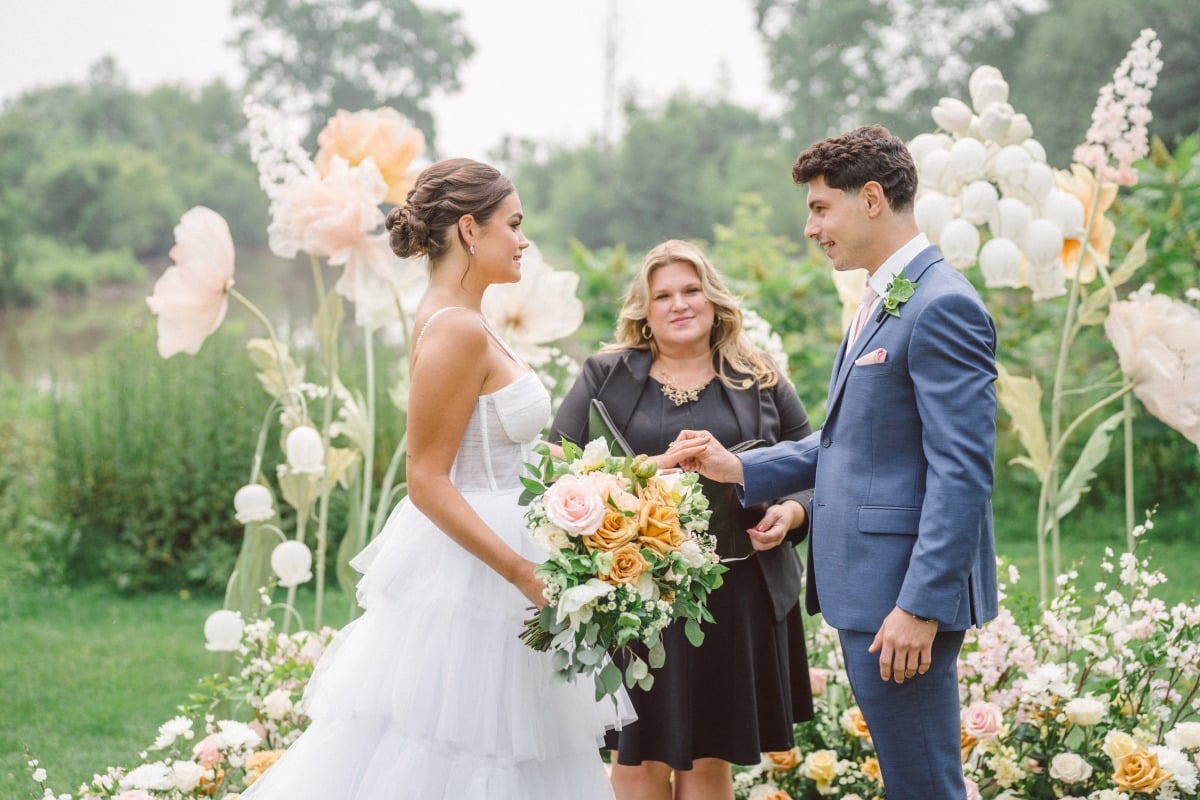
(874, 198)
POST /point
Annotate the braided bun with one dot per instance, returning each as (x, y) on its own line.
(408, 234)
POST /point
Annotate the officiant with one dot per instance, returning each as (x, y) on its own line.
(682, 359)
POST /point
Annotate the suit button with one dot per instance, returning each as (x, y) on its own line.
(825, 442)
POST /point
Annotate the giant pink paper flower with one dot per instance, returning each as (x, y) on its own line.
(327, 216)
(1157, 339)
(191, 297)
(378, 282)
(383, 135)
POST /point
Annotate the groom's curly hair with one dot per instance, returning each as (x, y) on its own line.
(850, 160)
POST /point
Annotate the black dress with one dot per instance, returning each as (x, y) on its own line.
(738, 694)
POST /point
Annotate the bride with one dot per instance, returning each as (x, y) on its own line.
(430, 694)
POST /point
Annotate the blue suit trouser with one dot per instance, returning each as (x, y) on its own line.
(914, 725)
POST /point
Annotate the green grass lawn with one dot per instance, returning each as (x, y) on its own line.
(87, 675)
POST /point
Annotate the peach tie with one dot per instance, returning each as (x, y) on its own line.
(869, 296)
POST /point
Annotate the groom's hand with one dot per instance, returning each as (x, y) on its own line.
(699, 452)
(905, 646)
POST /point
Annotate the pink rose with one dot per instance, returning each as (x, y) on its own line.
(972, 790)
(207, 751)
(574, 505)
(818, 679)
(981, 720)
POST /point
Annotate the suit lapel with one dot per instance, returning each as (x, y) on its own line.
(914, 270)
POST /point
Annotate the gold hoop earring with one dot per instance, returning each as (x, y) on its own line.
(647, 334)
(716, 322)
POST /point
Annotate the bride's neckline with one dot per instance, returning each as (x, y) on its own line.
(510, 384)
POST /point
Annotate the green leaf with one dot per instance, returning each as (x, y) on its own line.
(561, 660)
(1091, 311)
(694, 634)
(590, 657)
(1134, 259)
(657, 654)
(1084, 470)
(608, 680)
(1022, 399)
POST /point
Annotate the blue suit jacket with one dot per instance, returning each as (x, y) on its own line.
(903, 466)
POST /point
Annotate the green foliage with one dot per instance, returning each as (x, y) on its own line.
(318, 56)
(674, 175)
(147, 457)
(1058, 60)
(103, 196)
(101, 167)
(1167, 204)
(46, 266)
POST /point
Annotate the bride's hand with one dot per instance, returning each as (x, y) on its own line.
(530, 584)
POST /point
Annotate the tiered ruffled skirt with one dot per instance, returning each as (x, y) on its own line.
(431, 695)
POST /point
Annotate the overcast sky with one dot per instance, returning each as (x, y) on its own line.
(538, 69)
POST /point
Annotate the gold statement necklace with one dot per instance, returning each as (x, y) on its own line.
(677, 395)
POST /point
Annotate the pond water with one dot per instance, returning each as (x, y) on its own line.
(39, 344)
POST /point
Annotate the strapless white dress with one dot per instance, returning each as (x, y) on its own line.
(430, 694)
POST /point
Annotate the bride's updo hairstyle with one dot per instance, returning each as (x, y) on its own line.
(444, 193)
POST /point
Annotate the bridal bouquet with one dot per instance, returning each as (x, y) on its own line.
(628, 555)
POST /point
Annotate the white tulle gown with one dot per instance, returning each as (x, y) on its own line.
(431, 695)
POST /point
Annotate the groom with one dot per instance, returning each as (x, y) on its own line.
(901, 556)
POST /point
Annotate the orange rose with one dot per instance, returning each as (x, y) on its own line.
(870, 768)
(967, 742)
(785, 760)
(628, 564)
(778, 794)
(854, 724)
(615, 531)
(259, 763)
(1139, 772)
(658, 522)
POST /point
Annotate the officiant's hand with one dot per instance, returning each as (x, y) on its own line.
(777, 520)
(704, 454)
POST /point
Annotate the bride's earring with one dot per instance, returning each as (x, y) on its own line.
(471, 249)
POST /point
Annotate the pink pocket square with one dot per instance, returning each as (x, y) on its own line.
(874, 357)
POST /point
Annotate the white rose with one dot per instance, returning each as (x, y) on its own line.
(550, 538)
(187, 775)
(594, 453)
(578, 601)
(1185, 736)
(277, 704)
(1070, 768)
(692, 554)
(1085, 711)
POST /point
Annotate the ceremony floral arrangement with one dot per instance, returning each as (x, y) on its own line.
(1081, 699)
(628, 555)
(235, 727)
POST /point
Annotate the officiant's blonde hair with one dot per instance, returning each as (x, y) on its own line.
(727, 339)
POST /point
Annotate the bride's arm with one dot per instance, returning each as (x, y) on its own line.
(447, 375)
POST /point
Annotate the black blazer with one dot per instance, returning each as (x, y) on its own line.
(618, 377)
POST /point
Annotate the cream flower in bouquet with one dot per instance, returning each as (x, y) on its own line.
(627, 556)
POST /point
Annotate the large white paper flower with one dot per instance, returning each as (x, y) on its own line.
(538, 309)
(191, 297)
(1157, 339)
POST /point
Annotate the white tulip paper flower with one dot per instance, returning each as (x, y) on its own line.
(223, 631)
(305, 453)
(959, 243)
(253, 503)
(292, 562)
(1000, 261)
